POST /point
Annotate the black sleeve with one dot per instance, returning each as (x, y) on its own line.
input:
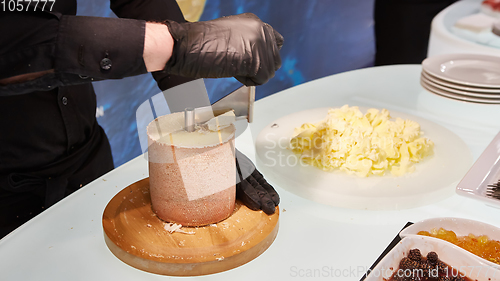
(106, 48)
(78, 49)
(150, 10)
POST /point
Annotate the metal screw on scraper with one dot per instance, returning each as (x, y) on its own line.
(189, 119)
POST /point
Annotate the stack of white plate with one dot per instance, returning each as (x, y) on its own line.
(464, 77)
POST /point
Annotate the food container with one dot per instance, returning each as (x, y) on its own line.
(460, 226)
(463, 263)
(192, 174)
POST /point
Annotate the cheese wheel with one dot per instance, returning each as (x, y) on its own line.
(192, 174)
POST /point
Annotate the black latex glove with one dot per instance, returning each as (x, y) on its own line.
(252, 189)
(240, 46)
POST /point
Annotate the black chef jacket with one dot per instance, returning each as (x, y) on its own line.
(50, 141)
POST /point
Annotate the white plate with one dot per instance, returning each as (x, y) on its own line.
(491, 97)
(465, 69)
(473, 90)
(434, 179)
(485, 171)
(461, 227)
(462, 93)
(447, 94)
(448, 253)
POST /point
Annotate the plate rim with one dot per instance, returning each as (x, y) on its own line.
(462, 93)
(455, 86)
(430, 63)
(456, 97)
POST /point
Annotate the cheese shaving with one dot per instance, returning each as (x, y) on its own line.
(174, 227)
(217, 123)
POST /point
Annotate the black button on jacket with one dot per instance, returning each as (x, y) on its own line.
(50, 142)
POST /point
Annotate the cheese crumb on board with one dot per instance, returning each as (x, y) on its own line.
(174, 227)
(362, 144)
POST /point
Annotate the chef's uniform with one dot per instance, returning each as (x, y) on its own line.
(50, 141)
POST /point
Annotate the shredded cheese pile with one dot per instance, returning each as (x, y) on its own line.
(368, 144)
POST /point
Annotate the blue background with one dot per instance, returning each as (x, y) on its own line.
(322, 37)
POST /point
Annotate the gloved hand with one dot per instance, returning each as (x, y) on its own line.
(240, 46)
(252, 189)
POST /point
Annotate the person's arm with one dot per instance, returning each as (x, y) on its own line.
(153, 11)
(107, 48)
(223, 41)
(67, 50)
(158, 42)
(158, 45)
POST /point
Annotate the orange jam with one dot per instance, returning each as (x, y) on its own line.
(479, 245)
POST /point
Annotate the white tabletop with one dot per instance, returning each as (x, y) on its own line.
(66, 241)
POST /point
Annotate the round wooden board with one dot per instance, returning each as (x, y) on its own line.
(137, 236)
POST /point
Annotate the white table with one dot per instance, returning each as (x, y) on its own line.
(66, 241)
(443, 41)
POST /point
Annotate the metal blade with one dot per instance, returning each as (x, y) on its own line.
(240, 100)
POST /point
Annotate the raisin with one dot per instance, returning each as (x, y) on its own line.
(415, 255)
(432, 257)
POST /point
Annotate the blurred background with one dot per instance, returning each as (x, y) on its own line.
(322, 37)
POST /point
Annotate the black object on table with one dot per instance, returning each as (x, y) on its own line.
(391, 245)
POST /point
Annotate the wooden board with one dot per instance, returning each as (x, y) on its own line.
(137, 236)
